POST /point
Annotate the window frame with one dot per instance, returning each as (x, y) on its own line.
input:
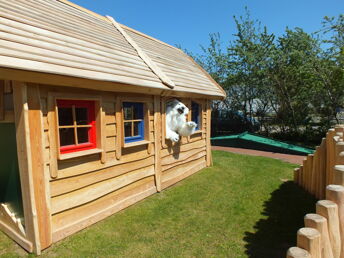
(91, 120)
(199, 118)
(142, 126)
(55, 154)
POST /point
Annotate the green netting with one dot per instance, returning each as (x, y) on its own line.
(267, 141)
(10, 191)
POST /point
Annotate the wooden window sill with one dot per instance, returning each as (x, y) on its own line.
(79, 154)
(138, 143)
(197, 132)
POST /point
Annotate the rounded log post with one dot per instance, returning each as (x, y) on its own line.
(338, 175)
(314, 173)
(320, 223)
(340, 153)
(304, 173)
(310, 159)
(297, 252)
(301, 176)
(329, 155)
(329, 210)
(335, 193)
(296, 175)
(309, 239)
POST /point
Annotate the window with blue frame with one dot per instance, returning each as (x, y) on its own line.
(133, 113)
(196, 114)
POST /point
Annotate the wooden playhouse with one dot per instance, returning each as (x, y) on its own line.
(82, 118)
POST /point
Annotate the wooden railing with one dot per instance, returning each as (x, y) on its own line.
(322, 174)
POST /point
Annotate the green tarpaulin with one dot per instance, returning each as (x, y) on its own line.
(249, 140)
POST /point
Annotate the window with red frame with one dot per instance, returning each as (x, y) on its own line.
(76, 125)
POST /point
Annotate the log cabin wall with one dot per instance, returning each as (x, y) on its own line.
(86, 189)
(182, 159)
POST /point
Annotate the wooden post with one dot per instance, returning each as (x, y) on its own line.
(320, 223)
(25, 163)
(322, 169)
(315, 174)
(310, 159)
(338, 175)
(329, 210)
(297, 252)
(329, 155)
(340, 153)
(38, 175)
(300, 177)
(2, 103)
(119, 136)
(335, 193)
(208, 142)
(309, 239)
(157, 142)
(296, 175)
(304, 172)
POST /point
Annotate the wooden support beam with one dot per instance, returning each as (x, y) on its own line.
(320, 223)
(25, 163)
(309, 239)
(329, 210)
(157, 142)
(37, 153)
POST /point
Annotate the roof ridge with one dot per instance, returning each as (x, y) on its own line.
(149, 62)
(99, 16)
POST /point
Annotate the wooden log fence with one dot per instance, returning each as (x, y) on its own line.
(322, 174)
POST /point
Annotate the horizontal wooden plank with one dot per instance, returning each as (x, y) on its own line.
(71, 221)
(95, 191)
(63, 186)
(179, 173)
(110, 130)
(110, 144)
(176, 157)
(195, 156)
(91, 163)
(178, 147)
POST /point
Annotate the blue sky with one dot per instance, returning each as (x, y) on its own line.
(189, 22)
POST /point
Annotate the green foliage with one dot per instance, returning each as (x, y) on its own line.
(296, 80)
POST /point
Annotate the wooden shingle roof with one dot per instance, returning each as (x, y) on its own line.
(58, 37)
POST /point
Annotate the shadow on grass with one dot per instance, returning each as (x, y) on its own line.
(276, 233)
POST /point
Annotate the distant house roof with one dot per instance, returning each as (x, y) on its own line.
(59, 37)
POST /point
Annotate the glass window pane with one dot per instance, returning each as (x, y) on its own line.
(137, 129)
(65, 116)
(138, 111)
(83, 136)
(81, 116)
(66, 136)
(127, 129)
(128, 113)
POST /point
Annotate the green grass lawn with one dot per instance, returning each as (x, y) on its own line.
(243, 206)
